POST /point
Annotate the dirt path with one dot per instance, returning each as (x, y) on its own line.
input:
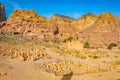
(89, 62)
(15, 70)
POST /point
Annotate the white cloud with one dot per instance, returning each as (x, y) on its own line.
(14, 5)
(10, 4)
(76, 15)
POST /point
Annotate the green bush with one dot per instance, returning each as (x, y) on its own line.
(64, 40)
(96, 57)
(86, 45)
(68, 39)
(110, 46)
(56, 41)
(83, 57)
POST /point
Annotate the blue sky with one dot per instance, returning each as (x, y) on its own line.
(72, 8)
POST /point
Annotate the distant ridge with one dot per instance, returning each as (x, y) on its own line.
(99, 31)
(61, 19)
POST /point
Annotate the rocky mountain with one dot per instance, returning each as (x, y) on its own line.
(85, 21)
(2, 12)
(105, 30)
(25, 16)
(30, 25)
(98, 31)
(61, 19)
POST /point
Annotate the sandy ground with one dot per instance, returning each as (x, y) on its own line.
(16, 70)
(107, 67)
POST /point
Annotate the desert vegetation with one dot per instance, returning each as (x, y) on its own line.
(112, 45)
(33, 47)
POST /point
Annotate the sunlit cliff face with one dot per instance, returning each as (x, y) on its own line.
(59, 28)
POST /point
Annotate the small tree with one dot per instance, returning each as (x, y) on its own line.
(86, 45)
(110, 46)
(64, 40)
(70, 39)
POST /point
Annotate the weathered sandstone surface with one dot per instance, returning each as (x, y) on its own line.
(98, 31)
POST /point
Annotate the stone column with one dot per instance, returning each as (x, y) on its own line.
(2, 12)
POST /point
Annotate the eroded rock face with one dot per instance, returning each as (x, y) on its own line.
(104, 31)
(2, 12)
(25, 16)
(61, 19)
(85, 21)
(30, 25)
(99, 31)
